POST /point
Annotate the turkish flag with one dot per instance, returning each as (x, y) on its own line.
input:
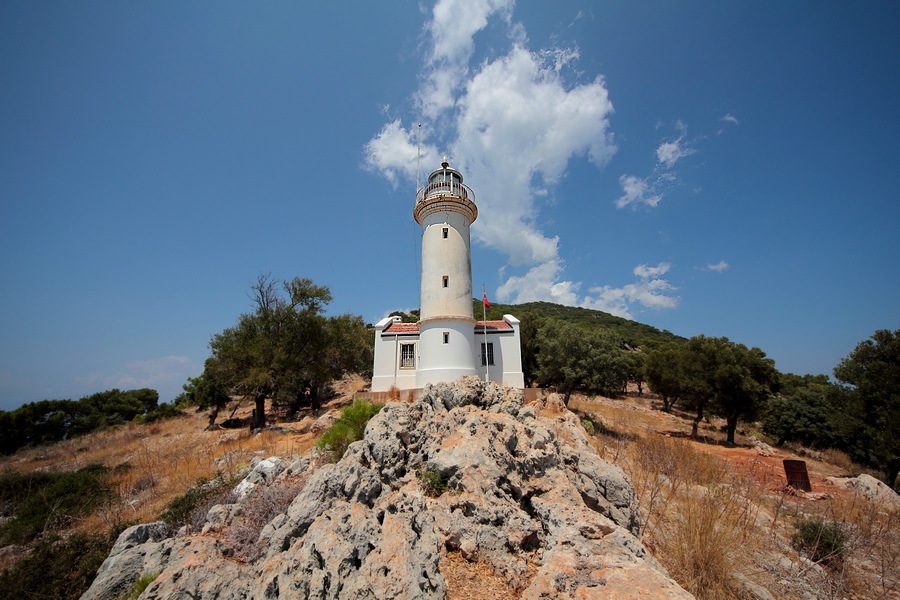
(486, 303)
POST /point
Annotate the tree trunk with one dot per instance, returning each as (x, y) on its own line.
(259, 413)
(566, 397)
(213, 413)
(893, 469)
(696, 424)
(731, 426)
(314, 401)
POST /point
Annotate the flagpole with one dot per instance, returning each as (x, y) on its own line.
(487, 363)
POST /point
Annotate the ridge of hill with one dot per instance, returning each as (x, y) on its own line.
(633, 333)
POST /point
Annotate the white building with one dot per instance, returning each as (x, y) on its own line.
(447, 342)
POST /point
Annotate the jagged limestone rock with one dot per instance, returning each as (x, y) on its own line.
(524, 493)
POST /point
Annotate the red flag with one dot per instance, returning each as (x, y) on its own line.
(486, 303)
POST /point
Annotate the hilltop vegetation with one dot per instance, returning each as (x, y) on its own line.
(629, 332)
(49, 421)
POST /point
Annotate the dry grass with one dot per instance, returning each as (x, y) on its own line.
(699, 519)
(709, 511)
(153, 463)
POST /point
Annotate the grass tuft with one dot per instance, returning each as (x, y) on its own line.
(349, 428)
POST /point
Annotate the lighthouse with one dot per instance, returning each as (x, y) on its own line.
(447, 342)
(445, 208)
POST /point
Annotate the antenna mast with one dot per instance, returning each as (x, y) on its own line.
(416, 237)
(418, 153)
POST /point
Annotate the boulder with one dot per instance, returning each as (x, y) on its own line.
(869, 487)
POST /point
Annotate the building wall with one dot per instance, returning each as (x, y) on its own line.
(386, 370)
(451, 361)
(507, 367)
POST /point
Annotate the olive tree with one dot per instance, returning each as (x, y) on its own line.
(870, 400)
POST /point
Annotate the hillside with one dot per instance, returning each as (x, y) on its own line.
(719, 519)
(632, 332)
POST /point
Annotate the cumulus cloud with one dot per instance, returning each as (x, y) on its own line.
(451, 33)
(647, 272)
(544, 282)
(650, 291)
(511, 124)
(718, 267)
(541, 283)
(649, 191)
(394, 152)
(669, 153)
(637, 191)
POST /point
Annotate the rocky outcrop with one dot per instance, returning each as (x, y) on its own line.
(523, 491)
(870, 488)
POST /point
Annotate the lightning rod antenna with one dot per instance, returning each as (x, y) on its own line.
(418, 153)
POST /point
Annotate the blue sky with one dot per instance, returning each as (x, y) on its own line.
(703, 167)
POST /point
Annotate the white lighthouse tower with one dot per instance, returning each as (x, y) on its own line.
(447, 342)
(445, 208)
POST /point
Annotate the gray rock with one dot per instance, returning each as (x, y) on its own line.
(263, 472)
(520, 489)
(138, 550)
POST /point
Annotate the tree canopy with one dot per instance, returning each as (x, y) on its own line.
(570, 357)
(869, 400)
(49, 421)
(713, 374)
(286, 349)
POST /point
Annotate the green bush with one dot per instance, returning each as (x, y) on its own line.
(57, 568)
(51, 502)
(432, 481)
(348, 428)
(588, 426)
(140, 585)
(821, 542)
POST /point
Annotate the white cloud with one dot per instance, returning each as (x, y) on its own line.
(718, 267)
(394, 152)
(540, 283)
(451, 32)
(645, 272)
(730, 118)
(668, 153)
(543, 282)
(648, 191)
(511, 124)
(637, 191)
(454, 24)
(650, 292)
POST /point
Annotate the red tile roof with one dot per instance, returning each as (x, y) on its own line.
(493, 326)
(402, 328)
(479, 326)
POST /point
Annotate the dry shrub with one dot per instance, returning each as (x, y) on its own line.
(697, 516)
(394, 394)
(872, 545)
(261, 506)
(839, 459)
